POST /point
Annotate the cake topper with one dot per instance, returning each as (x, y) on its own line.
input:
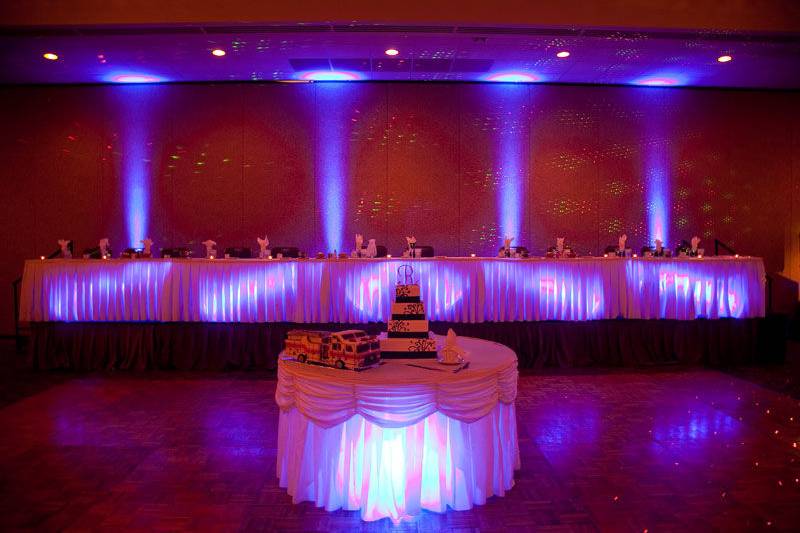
(405, 275)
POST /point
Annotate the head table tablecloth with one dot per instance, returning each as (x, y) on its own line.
(395, 439)
(361, 290)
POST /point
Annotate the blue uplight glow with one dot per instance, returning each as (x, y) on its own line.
(658, 163)
(657, 186)
(668, 79)
(133, 77)
(512, 143)
(136, 101)
(513, 77)
(330, 75)
(332, 159)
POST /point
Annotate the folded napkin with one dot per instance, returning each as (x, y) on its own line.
(103, 245)
(64, 245)
(560, 244)
(372, 249)
(622, 240)
(147, 243)
(359, 242)
(263, 253)
(659, 246)
(695, 243)
(210, 247)
(452, 352)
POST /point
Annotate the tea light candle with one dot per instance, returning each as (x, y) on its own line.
(472, 255)
(388, 256)
(42, 258)
(211, 257)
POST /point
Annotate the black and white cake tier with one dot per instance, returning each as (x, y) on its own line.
(408, 335)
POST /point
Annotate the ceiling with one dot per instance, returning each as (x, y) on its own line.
(285, 52)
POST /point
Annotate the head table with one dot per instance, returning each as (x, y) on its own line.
(395, 439)
(361, 290)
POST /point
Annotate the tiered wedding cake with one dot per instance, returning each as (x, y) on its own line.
(408, 335)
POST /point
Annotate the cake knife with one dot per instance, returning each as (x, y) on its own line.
(425, 367)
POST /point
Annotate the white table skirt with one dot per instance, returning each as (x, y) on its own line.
(361, 290)
(393, 440)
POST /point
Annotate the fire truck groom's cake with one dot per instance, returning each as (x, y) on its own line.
(408, 336)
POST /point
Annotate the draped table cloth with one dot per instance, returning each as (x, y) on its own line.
(361, 290)
(395, 439)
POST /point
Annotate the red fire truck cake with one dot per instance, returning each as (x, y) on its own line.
(408, 336)
(351, 348)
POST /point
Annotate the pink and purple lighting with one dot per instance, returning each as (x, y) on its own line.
(330, 75)
(661, 80)
(512, 144)
(513, 77)
(136, 168)
(134, 78)
(658, 163)
(332, 166)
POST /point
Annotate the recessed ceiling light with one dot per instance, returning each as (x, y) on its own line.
(50, 55)
(562, 54)
(724, 59)
(219, 52)
(391, 51)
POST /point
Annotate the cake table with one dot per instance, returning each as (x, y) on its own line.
(395, 439)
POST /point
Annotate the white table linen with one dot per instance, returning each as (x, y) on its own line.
(361, 290)
(395, 439)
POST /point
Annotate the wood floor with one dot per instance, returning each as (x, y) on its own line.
(656, 451)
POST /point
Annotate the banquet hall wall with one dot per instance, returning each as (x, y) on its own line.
(232, 161)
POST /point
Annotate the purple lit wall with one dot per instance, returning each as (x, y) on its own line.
(454, 164)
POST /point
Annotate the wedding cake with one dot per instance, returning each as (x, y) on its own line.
(408, 335)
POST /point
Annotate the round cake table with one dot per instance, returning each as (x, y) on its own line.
(395, 439)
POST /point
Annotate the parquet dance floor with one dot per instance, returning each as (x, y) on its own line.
(682, 450)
